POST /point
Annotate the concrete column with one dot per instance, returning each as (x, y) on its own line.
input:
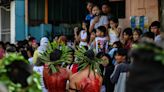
(20, 20)
(12, 23)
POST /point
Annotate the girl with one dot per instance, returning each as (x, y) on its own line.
(114, 30)
(127, 38)
(92, 38)
(83, 35)
(137, 35)
(106, 70)
(98, 19)
(76, 36)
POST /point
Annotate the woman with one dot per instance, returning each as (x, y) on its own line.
(88, 79)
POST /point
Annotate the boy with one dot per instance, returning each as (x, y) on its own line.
(119, 74)
(101, 42)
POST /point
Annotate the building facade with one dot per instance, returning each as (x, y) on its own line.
(21, 18)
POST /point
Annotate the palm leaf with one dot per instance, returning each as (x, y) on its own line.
(83, 61)
(65, 58)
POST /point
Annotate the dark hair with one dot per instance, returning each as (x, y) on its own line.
(90, 54)
(2, 44)
(149, 35)
(102, 29)
(94, 31)
(101, 54)
(55, 55)
(89, 2)
(114, 19)
(155, 23)
(31, 39)
(119, 44)
(19, 71)
(7, 44)
(138, 30)
(121, 51)
(94, 6)
(11, 48)
(128, 31)
(77, 32)
(105, 3)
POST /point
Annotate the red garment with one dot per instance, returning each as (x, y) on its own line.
(55, 82)
(74, 68)
(90, 84)
(128, 45)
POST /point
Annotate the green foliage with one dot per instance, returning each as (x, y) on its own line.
(34, 84)
(159, 52)
(66, 57)
(84, 61)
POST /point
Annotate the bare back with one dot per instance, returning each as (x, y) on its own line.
(56, 82)
(85, 82)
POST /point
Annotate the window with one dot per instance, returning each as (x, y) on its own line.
(66, 11)
(36, 12)
(118, 8)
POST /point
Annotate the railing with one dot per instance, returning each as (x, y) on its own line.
(5, 35)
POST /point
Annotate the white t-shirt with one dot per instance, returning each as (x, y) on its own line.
(113, 36)
(101, 44)
(39, 69)
(83, 35)
(103, 20)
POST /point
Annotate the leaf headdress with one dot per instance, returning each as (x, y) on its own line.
(65, 58)
(152, 48)
(33, 81)
(87, 58)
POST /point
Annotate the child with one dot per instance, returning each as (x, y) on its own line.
(83, 35)
(137, 35)
(116, 45)
(114, 30)
(155, 28)
(101, 42)
(92, 38)
(119, 74)
(127, 38)
(76, 36)
(89, 8)
(148, 36)
(106, 70)
(98, 20)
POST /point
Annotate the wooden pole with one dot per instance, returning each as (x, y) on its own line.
(46, 12)
(26, 18)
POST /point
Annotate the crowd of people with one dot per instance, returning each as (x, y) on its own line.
(103, 57)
